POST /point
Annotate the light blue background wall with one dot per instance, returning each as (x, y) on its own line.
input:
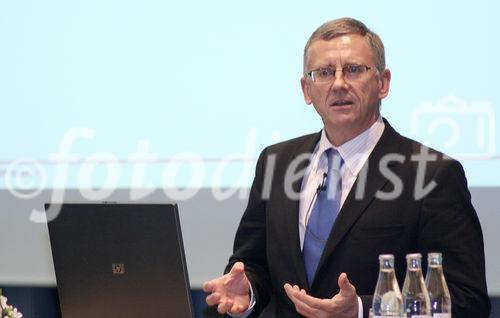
(201, 86)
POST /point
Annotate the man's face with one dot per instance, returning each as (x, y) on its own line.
(347, 107)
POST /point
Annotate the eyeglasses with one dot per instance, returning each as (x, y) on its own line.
(351, 72)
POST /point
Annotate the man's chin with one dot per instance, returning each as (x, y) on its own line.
(342, 122)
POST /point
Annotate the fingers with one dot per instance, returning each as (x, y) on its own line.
(301, 295)
(237, 309)
(345, 285)
(213, 299)
(225, 306)
(211, 285)
(304, 304)
(208, 286)
(228, 305)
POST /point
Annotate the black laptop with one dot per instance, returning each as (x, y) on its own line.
(119, 260)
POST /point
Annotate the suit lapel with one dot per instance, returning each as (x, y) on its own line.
(354, 207)
(291, 206)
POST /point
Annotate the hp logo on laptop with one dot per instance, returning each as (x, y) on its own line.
(118, 268)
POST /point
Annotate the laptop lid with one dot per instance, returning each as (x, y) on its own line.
(119, 260)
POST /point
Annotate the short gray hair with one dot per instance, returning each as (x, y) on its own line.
(335, 28)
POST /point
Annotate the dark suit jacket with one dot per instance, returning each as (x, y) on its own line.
(444, 220)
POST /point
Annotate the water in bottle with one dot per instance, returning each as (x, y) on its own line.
(436, 286)
(416, 300)
(387, 299)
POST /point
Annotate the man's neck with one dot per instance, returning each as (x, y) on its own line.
(338, 136)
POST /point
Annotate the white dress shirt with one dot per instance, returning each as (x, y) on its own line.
(355, 152)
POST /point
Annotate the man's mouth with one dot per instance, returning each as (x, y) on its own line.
(341, 102)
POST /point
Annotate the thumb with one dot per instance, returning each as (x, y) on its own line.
(237, 269)
(237, 280)
(345, 285)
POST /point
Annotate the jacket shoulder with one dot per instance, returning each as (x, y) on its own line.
(304, 143)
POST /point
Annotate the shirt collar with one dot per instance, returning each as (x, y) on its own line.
(355, 151)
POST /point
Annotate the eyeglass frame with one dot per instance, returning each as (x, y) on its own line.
(366, 67)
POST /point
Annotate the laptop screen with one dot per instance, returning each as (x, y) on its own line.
(119, 260)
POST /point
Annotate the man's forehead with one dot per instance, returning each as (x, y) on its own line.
(345, 41)
(354, 44)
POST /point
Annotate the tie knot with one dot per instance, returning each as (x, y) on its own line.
(334, 158)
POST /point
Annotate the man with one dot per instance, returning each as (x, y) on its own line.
(322, 207)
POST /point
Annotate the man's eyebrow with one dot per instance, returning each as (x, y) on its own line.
(351, 62)
(325, 66)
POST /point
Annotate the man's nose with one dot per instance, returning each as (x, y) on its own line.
(339, 82)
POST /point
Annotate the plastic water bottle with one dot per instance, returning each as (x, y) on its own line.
(436, 286)
(416, 300)
(387, 300)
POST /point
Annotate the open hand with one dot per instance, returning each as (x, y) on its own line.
(342, 305)
(229, 292)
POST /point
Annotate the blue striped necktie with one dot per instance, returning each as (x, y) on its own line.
(323, 214)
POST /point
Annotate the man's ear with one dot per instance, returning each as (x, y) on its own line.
(306, 90)
(384, 83)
